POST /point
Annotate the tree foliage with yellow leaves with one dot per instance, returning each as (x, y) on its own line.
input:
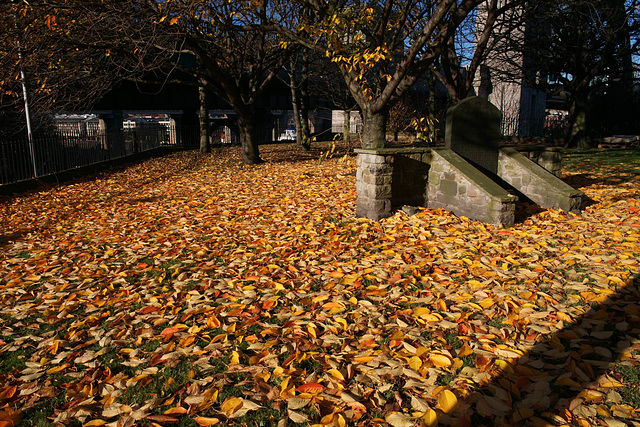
(381, 47)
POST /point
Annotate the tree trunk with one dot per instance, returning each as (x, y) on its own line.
(431, 78)
(295, 103)
(299, 102)
(374, 133)
(577, 130)
(346, 126)
(248, 137)
(304, 105)
(205, 144)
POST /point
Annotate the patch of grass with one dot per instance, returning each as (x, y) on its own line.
(497, 323)
(38, 414)
(151, 345)
(310, 365)
(236, 386)
(164, 384)
(446, 379)
(14, 360)
(631, 379)
(452, 339)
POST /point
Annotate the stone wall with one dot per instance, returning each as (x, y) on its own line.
(389, 178)
(537, 183)
(457, 186)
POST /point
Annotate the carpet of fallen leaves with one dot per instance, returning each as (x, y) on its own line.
(193, 290)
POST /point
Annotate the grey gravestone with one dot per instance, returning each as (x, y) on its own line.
(473, 131)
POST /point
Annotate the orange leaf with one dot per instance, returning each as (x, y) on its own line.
(176, 410)
(167, 333)
(313, 388)
(268, 304)
(206, 421)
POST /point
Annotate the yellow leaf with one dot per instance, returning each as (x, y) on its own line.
(94, 423)
(440, 360)
(311, 328)
(486, 303)
(57, 369)
(336, 374)
(231, 405)
(363, 359)
(342, 322)
(235, 358)
(284, 384)
(320, 298)
(430, 418)
(420, 311)
(465, 350)
(447, 401)
(415, 363)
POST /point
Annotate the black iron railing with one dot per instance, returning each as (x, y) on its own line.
(63, 150)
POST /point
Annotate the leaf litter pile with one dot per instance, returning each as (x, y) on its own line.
(193, 290)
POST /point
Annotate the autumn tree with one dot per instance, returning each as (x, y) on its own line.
(38, 61)
(382, 48)
(571, 48)
(476, 36)
(217, 45)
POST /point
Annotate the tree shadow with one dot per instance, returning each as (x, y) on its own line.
(566, 376)
(7, 238)
(587, 179)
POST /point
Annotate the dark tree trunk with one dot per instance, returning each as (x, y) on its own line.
(205, 144)
(577, 130)
(299, 102)
(374, 133)
(304, 105)
(432, 105)
(248, 137)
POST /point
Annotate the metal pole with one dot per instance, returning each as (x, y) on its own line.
(26, 104)
(28, 117)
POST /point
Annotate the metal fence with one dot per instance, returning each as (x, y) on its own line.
(547, 127)
(60, 151)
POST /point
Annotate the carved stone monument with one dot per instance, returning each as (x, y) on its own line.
(473, 132)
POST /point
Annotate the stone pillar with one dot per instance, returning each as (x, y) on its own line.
(373, 184)
(110, 125)
(175, 129)
(388, 178)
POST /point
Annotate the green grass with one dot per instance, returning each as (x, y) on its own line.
(603, 161)
(14, 360)
(631, 380)
(38, 414)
